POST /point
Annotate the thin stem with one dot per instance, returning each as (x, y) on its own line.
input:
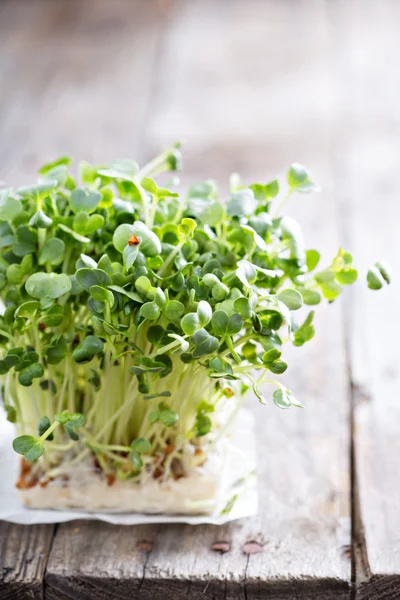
(49, 431)
(151, 167)
(282, 202)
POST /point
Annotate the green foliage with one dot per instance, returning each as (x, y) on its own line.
(139, 309)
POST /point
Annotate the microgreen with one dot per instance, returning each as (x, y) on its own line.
(133, 311)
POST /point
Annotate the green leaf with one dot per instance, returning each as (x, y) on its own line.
(53, 317)
(28, 446)
(89, 277)
(241, 203)
(207, 346)
(26, 240)
(271, 359)
(305, 332)
(141, 446)
(122, 235)
(150, 310)
(52, 252)
(43, 426)
(86, 261)
(278, 367)
(325, 276)
(204, 312)
(203, 425)
(74, 421)
(311, 297)
(375, 279)
(385, 270)
(187, 226)
(281, 398)
(56, 352)
(151, 186)
(346, 276)
(190, 323)
(136, 460)
(168, 417)
(11, 413)
(130, 254)
(74, 234)
(219, 322)
(40, 220)
(174, 159)
(207, 211)
(62, 161)
(29, 373)
(264, 192)
(15, 274)
(87, 349)
(86, 224)
(285, 399)
(150, 245)
(124, 169)
(105, 264)
(102, 294)
(219, 291)
(48, 285)
(219, 365)
(210, 279)
(80, 200)
(27, 309)
(127, 293)
(144, 287)
(147, 367)
(39, 190)
(246, 272)
(9, 207)
(378, 275)
(174, 310)
(243, 307)
(291, 298)
(235, 324)
(271, 356)
(94, 223)
(165, 394)
(299, 179)
(330, 290)
(312, 259)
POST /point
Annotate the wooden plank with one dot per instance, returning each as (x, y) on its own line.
(227, 72)
(23, 556)
(370, 166)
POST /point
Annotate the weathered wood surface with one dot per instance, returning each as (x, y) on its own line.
(23, 556)
(249, 86)
(372, 164)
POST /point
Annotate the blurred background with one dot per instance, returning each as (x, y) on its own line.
(249, 85)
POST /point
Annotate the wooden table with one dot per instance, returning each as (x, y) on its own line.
(250, 86)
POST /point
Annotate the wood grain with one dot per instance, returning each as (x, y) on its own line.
(23, 555)
(371, 163)
(228, 69)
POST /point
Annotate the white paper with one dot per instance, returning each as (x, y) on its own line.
(241, 467)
